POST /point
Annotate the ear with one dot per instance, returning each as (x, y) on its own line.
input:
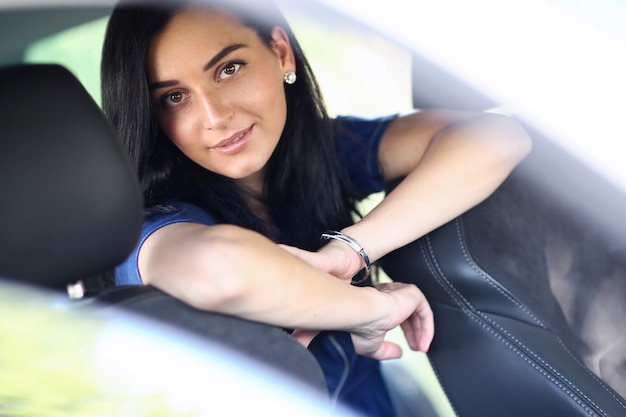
(282, 48)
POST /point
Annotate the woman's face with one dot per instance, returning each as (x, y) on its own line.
(218, 92)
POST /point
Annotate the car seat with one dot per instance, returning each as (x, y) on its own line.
(72, 210)
(528, 287)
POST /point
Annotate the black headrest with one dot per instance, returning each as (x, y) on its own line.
(70, 205)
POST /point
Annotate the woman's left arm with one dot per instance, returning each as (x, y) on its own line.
(449, 161)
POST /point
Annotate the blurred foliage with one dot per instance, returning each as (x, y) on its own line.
(48, 365)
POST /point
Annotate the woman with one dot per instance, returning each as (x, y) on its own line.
(242, 172)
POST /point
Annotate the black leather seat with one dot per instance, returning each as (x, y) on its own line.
(71, 206)
(528, 287)
(72, 210)
(507, 342)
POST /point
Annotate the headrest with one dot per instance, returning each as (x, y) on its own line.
(70, 205)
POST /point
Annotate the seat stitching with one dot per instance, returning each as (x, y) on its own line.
(466, 306)
(533, 354)
(479, 271)
(487, 277)
(448, 288)
(542, 371)
(529, 351)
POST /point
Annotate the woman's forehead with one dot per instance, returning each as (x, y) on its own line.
(193, 37)
(199, 28)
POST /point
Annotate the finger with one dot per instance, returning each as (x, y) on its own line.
(411, 334)
(419, 331)
(388, 350)
(426, 325)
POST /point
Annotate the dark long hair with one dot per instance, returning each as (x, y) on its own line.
(305, 190)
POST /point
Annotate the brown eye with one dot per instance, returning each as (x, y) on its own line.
(176, 97)
(229, 70)
(173, 99)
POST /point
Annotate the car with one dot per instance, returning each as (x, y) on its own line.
(533, 329)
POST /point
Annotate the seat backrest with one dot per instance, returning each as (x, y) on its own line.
(71, 206)
(527, 290)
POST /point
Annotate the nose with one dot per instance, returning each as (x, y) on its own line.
(216, 113)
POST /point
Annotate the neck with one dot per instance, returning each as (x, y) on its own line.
(253, 184)
(254, 196)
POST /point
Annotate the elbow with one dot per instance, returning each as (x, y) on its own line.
(510, 140)
(516, 140)
(521, 144)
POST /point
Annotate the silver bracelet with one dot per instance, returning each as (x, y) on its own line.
(342, 237)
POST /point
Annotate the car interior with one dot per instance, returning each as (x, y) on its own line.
(526, 287)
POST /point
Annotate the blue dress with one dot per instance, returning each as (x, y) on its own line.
(352, 380)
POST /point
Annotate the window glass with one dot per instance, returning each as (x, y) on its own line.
(78, 49)
(360, 73)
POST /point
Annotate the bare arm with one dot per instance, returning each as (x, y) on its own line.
(235, 271)
(450, 161)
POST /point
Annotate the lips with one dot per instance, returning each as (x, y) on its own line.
(234, 144)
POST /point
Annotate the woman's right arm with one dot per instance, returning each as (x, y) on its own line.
(232, 270)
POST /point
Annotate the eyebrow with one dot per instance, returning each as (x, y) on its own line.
(212, 62)
(221, 54)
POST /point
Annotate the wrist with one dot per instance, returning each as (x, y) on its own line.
(356, 252)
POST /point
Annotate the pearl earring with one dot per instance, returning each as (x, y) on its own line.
(290, 77)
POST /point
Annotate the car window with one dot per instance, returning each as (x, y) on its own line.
(360, 72)
(359, 64)
(78, 49)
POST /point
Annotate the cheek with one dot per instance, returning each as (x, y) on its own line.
(271, 102)
(176, 131)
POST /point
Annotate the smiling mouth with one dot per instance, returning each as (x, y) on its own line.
(234, 143)
(233, 139)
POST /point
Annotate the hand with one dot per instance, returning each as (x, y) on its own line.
(405, 305)
(408, 308)
(335, 258)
